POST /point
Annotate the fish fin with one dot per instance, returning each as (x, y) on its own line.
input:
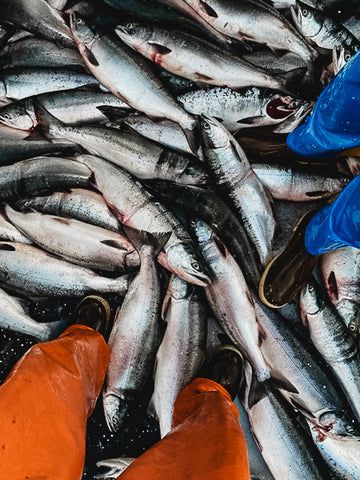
(35, 136)
(7, 246)
(113, 243)
(332, 287)
(192, 138)
(257, 391)
(123, 98)
(292, 78)
(113, 113)
(250, 120)
(139, 238)
(160, 48)
(203, 78)
(282, 383)
(151, 410)
(262, 333)
(221, 246)
(165, 306)
(45, 120)
(208, 10)
(90, 57)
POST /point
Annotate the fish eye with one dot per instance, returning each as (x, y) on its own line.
(130, 27)
(79, 21)
(6, 116)
(305, 12)
(347, 57)
(207, 126)
(352, 327)
(195, 265)
(350, 429)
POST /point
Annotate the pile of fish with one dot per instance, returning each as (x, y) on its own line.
(142, 150)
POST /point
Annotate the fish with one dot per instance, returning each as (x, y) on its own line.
(198, 60)
(340, 271)
(31, 271)
(75, 241)
(58, 4)
(340, 56)
(12, 149)
(39, 18)
(246, 108)
(36, 175)
(6, 31)
(232, 173)
(254, 21)
(274, 62)
(133, 206)
(14, 317)
(139, 156)
(115, 467)
(298, 185)
(181, 353)
(135, 335)
(126, 74)
(230, 299)
(284, 444)
(70, 107)
(333, 341)
(321, 29)
(79, 203)
(208, 207)
(38, 52)
(9, 232)
(15, 85)
(311, 388)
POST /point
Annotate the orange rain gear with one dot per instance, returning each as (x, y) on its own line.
(45, 403)
(52, 390)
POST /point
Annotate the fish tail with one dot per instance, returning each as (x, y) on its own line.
(140, 238)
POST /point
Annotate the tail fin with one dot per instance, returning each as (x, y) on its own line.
(140, 238)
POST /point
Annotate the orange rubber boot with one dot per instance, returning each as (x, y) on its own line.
(207, 441)
(45, 403)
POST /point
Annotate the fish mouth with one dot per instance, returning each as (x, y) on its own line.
(280, 108)
(198, 278)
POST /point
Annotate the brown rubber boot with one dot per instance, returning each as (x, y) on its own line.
(94, 312)
(289, 271)
(226, 367)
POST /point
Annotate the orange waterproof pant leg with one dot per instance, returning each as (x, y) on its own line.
(206, 443)
(45, 403)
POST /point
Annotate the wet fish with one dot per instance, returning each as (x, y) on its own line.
(133, 206)
(38, 52)
(196, 59)
(340, 56)
(324, 31)
(129, 77)
(30, 271)
(37, 17)
(298, 185)
(12, 150)
(182, 350)
(251, 107)
(115, 467)
(34, 81)
(13, 316)
(311, 388)
(135, 335)
(11, 233)
(253, 21)
(139, 156)
(230, 299)
(71, 107)
(58, 4)
(286, 447)
(275, 63)
(293, 121)
(75, 241)
(333, 341)
(233, 174)
(340, 270)
(6, 32)
(84, 205)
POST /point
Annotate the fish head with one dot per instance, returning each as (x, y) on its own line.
(310, 301)
(280, 107)
(307, 20)
(115, 410)
(340, 56)
(183, 260)
(133, 33)
(15, 115)
(81, 32)
(193, 175)
(214, 134)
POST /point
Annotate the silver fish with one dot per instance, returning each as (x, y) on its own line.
(135, 207)
(230, 299)
(58, 4)
(139, 156)
(12, 149)
(115, 467)
(135, 335)
(70, 107)
(182, 350)
(29, 270)
(33, 81)
(38, 52)
(251, 107)
(11, 233)
(340, 56)
(75, 241)
(84, 205)
(129, 77)
(287, 183)
(13, 316)
(275, 63)
(196, 59)
(33, 176)
(37, 17)
(253, 20)
(287, 450)
(321, 29)
(232, 171)
(340, 270)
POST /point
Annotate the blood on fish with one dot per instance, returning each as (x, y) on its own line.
(274, 111)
